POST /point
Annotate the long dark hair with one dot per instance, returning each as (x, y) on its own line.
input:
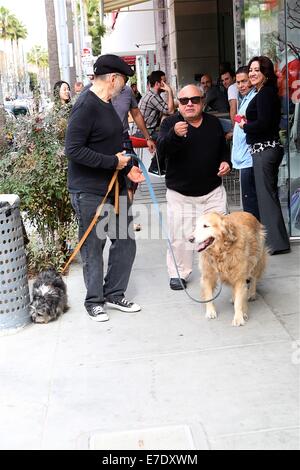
(266, 67)
(56, 90)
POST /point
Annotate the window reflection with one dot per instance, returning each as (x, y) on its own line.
(267, 33)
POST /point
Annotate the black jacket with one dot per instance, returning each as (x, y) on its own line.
(263, 116)
(94, 136)
(193, 161)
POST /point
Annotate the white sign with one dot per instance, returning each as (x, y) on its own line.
(87, 65)
(86, 52)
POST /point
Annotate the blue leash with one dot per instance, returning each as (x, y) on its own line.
(155, 203)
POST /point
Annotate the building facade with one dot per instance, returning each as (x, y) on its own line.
(200, 34)
(272, 28)
(193, 37)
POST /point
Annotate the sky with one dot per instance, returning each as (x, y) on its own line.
(32, 14)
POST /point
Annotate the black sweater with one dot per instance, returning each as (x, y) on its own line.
(94, 136)
(193, 161)
(263, 116)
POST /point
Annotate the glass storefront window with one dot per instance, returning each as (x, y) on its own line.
(292, 84)
(272, 28)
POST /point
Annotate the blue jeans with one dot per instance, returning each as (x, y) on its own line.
(249, 197)
(119, 229)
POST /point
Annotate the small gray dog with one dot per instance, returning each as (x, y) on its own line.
(49, 297)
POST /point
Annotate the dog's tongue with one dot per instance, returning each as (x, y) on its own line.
(201, 246)
(205, 244)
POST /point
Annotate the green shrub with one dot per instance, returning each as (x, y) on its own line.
(33, 165)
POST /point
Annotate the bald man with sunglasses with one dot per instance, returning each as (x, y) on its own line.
(194, 147)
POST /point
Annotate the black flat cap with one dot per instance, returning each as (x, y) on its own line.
(109, 63)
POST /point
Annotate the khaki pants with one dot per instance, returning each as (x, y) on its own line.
(183, 212)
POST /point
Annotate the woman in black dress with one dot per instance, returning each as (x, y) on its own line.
(261, 126)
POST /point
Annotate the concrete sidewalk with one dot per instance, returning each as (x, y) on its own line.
(164, 378)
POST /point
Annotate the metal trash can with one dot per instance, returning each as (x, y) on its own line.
(14, 291)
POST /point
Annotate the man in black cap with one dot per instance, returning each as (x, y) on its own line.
(94, 149)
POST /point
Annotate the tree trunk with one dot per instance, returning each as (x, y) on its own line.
(54, 71)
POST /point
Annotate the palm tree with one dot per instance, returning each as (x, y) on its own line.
(20, 33)
(4, 30)
(4, 15)
(10, 29)
(38, 56)
(4, 22)
(15, 31)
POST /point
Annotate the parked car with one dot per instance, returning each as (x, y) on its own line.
(20, 109)
(9, 114)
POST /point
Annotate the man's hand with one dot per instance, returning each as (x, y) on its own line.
(165, 87)
(123, 160)
(242, 122)
(136, 175)
(181, 128)
(224, 169)
(151, 145)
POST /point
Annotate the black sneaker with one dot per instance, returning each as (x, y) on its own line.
(177, 284)
(97, 313)
(123, 305)
(280, 252)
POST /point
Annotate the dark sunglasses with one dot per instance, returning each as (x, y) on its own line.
(192, 99)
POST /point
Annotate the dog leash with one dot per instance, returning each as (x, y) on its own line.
(113, 181)
(156, 205)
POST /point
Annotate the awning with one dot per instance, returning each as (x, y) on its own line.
(110, 5)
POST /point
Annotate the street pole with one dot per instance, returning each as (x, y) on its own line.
(63, 39)
(82, 24)
(70, 25)
(101, 10)
(1, 92)
(2, 113)
(77, 44)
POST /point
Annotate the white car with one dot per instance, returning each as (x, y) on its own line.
(9, 114)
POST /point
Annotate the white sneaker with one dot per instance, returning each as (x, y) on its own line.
(123, 305)
(97, 313)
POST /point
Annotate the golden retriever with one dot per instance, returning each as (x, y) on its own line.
(233, 250)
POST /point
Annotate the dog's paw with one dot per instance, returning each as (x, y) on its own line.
(211, 314)
(238, 321)
(252, 297)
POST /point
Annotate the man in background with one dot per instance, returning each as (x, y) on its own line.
(78, 88)
(241, 157)
(215, 100)
(136, 92)
(153, 107)
(228, 82)
(124, 103)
